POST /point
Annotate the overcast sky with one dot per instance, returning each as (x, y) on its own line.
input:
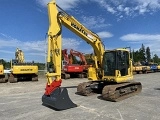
(119, 23)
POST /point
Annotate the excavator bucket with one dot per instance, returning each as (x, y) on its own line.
(58, 99)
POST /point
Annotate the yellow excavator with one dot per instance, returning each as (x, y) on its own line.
(21, 69)
(2, 75)
(111, 75)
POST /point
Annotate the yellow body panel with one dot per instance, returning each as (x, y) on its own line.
(92, 75)
(119, 79)
(1, 70)
(148, 68)
(137, 68)
(140, 68)
(24, 69)
(158, 67)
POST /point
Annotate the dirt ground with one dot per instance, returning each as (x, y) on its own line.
(22, 101)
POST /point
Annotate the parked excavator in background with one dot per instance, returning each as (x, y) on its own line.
(139, 68)
(2, 75)
(68, 68)
(153, 67)
(111, 75)
(90, 58)
(83, 61)
(21, 70)
(158, 67)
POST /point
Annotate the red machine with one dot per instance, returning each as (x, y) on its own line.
(69, 69)
(82, 59)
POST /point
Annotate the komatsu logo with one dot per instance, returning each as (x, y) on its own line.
(25, 69)
(79, 29)
(82, 31)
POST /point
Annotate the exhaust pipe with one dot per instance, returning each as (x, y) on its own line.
(58, 99)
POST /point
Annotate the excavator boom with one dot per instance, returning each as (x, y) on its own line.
(19, 56)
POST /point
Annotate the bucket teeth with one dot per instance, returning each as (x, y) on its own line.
(58, 99)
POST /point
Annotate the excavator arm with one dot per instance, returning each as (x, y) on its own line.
(65, 55)
(54, 95)
(19, 56)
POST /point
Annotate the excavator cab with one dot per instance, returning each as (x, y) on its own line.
(116, 60)
(14, 62)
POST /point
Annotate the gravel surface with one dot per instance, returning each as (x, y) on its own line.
(22, 101)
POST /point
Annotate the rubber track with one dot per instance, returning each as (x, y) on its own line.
(121, 91)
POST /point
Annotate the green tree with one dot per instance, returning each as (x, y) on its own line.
(142, 53)
(148, 54)
(7, 65)
(136, 56)
(155, 58)
(41, 66)
(4, 63)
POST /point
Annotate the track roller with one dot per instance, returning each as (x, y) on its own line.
(35, 77)
(81, 75)
(84, 89)
(65, 76)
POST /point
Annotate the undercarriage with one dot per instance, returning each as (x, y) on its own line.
(109, 91)
(73, 75)
(13, 78)
(3, 79)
